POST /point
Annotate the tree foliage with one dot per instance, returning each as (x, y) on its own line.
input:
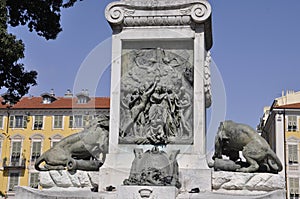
(41, 16)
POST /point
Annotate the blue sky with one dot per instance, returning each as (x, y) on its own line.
(256, 49)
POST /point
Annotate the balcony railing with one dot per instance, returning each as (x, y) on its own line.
(14, 164)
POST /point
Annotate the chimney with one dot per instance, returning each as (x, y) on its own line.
(52, 92)
(68, 93)
(87, 92)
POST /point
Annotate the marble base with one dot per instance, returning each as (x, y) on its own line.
(193, 171)
(115, 170)
(131, 192)
(54, 193)
(280, 194)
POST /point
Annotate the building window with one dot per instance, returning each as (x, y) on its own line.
(1, 121)
(87, 120)
(34, 180)
(15, 153)
(13, 181)
(80, 121)
(292, 123)
(54, 142)
(76, 121)
(293, 153)
(55, 139)
(38, 122)
(82, 100)
(18, 121)
(294, 188)
(58, 122)
(47, 100)
(36, 146)
(36, 150)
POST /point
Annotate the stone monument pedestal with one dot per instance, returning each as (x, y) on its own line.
(159, 48)
(193, 171)
(117, 171)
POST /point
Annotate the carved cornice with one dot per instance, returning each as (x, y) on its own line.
(143, 13)
(157, 13)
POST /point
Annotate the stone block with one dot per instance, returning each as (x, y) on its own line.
(247, 183)
(45, 180)
(61, 178)
(94, 177)
(74, 179)
(195, 178)
(84, 179)
(66, 179)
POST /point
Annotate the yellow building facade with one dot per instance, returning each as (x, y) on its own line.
(280, 125)
(33, 125)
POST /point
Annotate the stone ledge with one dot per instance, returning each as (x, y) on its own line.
(280, 194)
(246, 183)
(54, 193)
(65, 179)
(82, 193)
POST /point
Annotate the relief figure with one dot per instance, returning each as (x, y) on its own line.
(156, 107)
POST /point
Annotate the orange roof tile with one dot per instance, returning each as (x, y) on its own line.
(60, 103)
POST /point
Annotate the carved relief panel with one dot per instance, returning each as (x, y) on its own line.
(156, 98)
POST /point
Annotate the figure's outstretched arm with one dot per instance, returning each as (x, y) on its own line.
(151, 89)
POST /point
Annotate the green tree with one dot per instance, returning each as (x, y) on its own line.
(41, 16)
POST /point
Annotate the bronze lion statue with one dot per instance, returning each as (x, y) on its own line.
(79, 151)
(234, 137)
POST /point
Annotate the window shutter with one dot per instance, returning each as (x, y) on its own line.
(36, 150)
(294, 123)
(85, 120)
(25, 121)
(296, 154)
(11, 121)
(1, 121)
(291, 183)
(16, 151)
(60, 121)
(296, 185)
(55, 121)
(71, 122)
(293, 153)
